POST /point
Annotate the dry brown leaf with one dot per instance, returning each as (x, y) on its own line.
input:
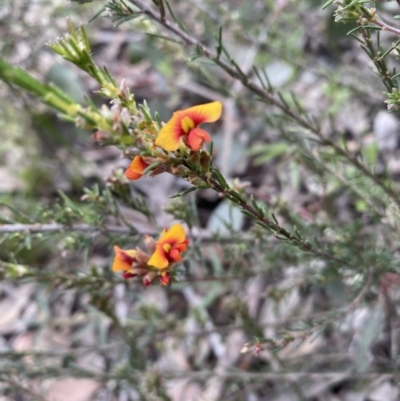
(183, 390)
(71, 389)
(385, 391)
(23, 342)
(51, 340)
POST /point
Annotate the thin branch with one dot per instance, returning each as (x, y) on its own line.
(287, 376)
(112, 229)
(54, 227)
(276, 228)
(237, 374)
(378, 21)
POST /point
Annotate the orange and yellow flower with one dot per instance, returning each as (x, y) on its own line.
(136, 168)
(166, 251)
(169, 247)
(184, 124)
(124, 261)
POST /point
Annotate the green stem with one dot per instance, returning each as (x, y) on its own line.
(276, 228)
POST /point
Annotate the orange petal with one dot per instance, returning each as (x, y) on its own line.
(131, 175)
(123, 259)
(175, 255)
(165, 277)
(170, 135)
(181, 247)
(158, 259)
(175, 235)
(204, 113)
(136, 168)
(197, 137)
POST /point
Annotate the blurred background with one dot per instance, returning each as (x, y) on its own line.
(66, 338)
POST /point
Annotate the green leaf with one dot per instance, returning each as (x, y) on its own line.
(370, 153)
(268, 151)
(327, 4)
(370, 330)
(184, 192)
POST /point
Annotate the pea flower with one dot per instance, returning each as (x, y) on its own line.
(169, 247)
(127, 262)
(136, 168)
(166, 251)
(185, 124)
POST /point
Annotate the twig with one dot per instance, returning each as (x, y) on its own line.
(53, 227)
(384, 26)
(87, 228)
(237, 374)
(286, 376)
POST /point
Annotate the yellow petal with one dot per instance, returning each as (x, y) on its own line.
(187, 124)
(184, 120)
(175, 235)
(170, 135)
(158, 259)
(204, 113)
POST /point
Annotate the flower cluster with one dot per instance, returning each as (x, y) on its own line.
(182, 135)
(180, 132)
(157, 262)
(184, 127)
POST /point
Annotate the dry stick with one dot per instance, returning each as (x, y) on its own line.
(204, 237)
(287, 376)
(24, 271)
(114, 229)
(267, 96)
(237, 374)
(53, 227)
(87, 228)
